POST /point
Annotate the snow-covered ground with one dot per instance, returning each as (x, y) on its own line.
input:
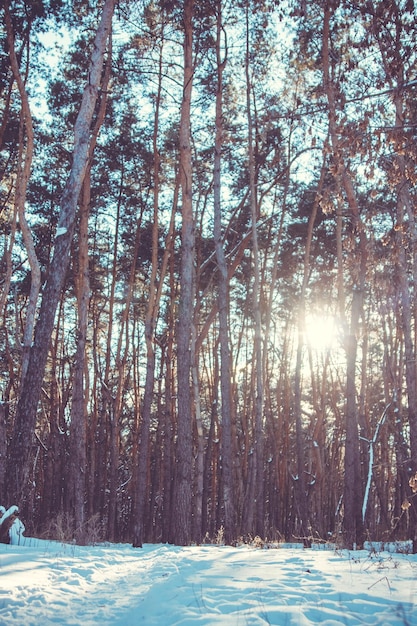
(44, 583)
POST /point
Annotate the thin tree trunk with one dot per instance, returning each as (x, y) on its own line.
(199, 446)
(78, 409)
(78, 428)
(394, 60)
(183, 479)
(223, 300)
(109, 419)
(7, 260)
(150, 321)
(3, 448)
(300, 485)
(405, 205)
(26, 148)
(168, 418)
(255, 521)
(155, 293)
(353, 495)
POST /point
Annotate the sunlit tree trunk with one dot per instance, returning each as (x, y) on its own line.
(10, 209)
(25, 157)
(20, 445)
(78, 427)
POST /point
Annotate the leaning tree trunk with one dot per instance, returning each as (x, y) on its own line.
(26, 147)
(20, 446)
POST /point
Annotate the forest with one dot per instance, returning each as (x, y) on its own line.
(208, 249)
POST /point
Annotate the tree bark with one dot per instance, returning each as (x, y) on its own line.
(183, 479)
(353, 496)
(255, 493)
(26, 148)
(300, 485)
(406, 238)
(3, 449)
(78, 427)
(223, 300)
(20, 446)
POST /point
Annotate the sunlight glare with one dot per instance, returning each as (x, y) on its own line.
(320, 332)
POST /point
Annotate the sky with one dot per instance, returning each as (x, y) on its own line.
(44, 582)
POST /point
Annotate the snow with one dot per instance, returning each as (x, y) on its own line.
(16, 532)
(17, 528)
(44, 582)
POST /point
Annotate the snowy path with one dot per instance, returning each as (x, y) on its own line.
(47, 583)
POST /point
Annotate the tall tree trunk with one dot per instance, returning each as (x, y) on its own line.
(353, 496)
(406, 235)
(300, 485)
(109, 421)
(25, 157)
(141, 464)
(391, 31)
(184, 451)
(197, 516)
(155, 291)
(8, 214)
(78, 409)
(3, 448)
(255, 499)
(21, 443)
(169, 416)
(78, 427)
(223, 299)
(406, 239)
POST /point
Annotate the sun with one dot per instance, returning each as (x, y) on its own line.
(321, 332)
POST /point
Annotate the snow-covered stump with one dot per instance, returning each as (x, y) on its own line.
(11, 527)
